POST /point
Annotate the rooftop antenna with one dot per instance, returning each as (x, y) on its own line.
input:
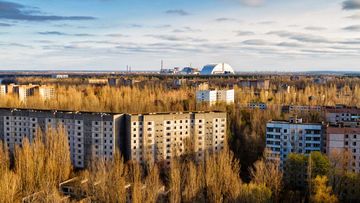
(162, 65)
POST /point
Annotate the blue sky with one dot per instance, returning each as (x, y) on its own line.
(251, 35)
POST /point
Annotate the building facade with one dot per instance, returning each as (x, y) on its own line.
(344, 142)
(89, 134)
(26, 91)
(3, 90)
(46, 92)
(293, 136)
(215, 96)
(159, 137)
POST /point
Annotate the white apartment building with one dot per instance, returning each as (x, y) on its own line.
(342, 141)
(26, 91)
(215, 96)
(159, 137)
(293, 136)
(46, 92)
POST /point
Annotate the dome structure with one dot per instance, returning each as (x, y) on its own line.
(217, 69)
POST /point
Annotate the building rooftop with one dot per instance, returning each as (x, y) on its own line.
(339, 130)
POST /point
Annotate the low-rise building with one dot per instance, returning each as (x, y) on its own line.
(301, 109)
(215, 96)
(293, 136)
(159, 137)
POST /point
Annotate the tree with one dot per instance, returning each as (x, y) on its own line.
(321, 192)
(268, 174)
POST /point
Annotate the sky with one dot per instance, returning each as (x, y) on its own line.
(250, 35)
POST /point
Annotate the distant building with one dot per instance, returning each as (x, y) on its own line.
(344, 115)
(179, 82)
(190, 71)
(3, 90)
(59, 76)
(301, 109)
(46, 92)
(257, 105)
(293, 136)
(160, 137)
(173, 71)
(215, 96)
(344, 142)
(217, 69)
(98, 81)
(255, 84)
(26, 91)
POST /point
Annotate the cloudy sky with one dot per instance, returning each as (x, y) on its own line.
(251, 35)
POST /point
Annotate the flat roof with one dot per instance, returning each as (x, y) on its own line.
(288, 122)
(344, 110)
(58, 110)
(339, 130)
(174, 113)
(108, 113)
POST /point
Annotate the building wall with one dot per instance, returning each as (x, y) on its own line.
(3, 89)
(344, 142)
(214, 96)
(89, 134)
(283, 138)
(46, 93)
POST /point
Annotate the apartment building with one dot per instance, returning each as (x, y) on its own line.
(26, 91)
(159, 137)
(301, 109)
(215, 96)
(255, 84)
(344, 141)
(46, 92)
(293, 136)
(89, 134)
(3, 90)
(343, 114)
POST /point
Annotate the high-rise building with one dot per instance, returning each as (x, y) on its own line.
(215, 96)
(343, 143)
(89, 134)
(159, 137)
(293, 136)
(26, 91)
(3, 90)
(46, 92)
